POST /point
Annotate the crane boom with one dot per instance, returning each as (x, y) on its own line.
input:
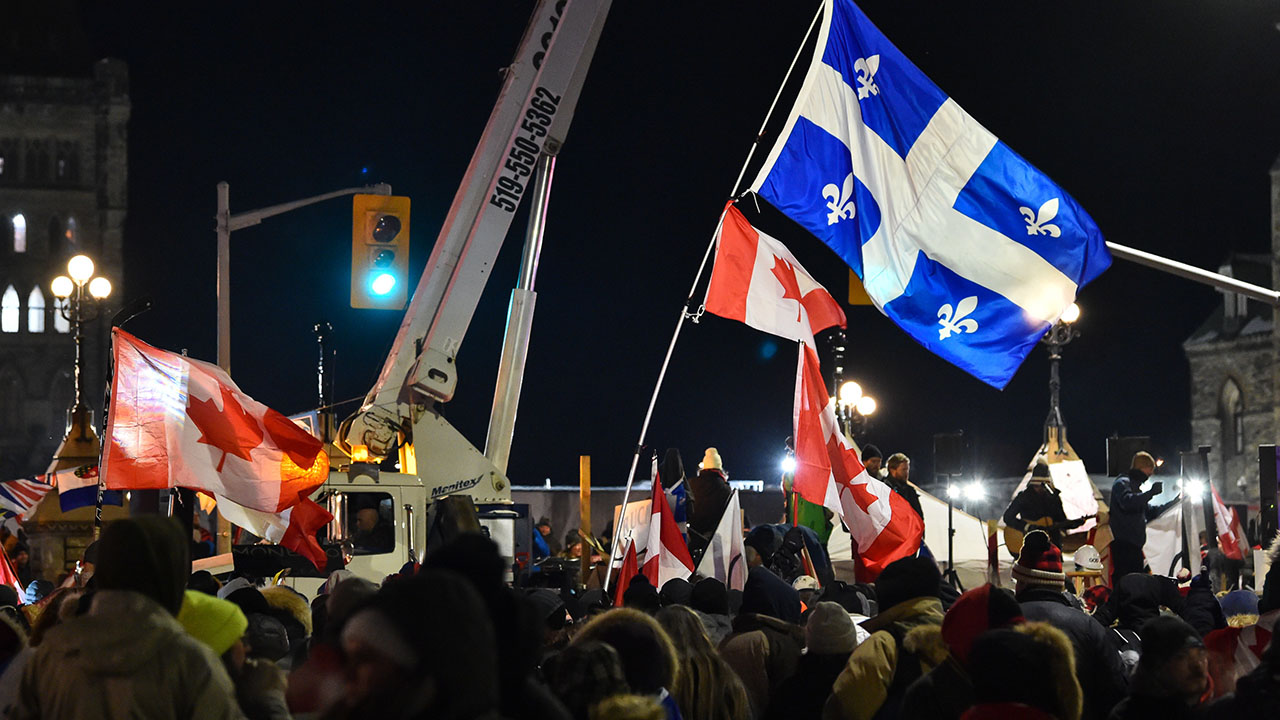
(533, 113)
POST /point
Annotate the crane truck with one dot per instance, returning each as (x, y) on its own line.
(383, 517)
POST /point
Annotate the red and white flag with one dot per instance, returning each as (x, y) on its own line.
(667, 556)
(178, 422)
(881, 523)
(629, 570)
(756, 280)
(1230, 534)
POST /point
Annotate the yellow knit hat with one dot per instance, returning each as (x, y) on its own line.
(215, 622)
(711, 460)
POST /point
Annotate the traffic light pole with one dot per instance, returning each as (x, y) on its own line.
(228, 223)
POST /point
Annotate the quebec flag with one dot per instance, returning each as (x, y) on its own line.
(970, 249)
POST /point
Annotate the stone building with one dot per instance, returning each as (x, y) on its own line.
(1235, 406)
(63, 174)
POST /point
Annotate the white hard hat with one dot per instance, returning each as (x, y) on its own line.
(805, 582)
(1087, 558)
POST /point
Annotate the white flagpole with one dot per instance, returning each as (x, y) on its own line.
(684, 310)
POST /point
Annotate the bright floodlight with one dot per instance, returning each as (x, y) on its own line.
(974, 491)
(850, 393)
(788, 464)
(1194, 489)
(953, 491)
(80, 268)
(382, 284)
(62, 286)
(100, 287)
(866, 405)
(1071, 314)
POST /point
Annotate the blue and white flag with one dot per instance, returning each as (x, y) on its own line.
(970, 249)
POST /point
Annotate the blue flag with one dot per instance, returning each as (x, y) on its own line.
(970, 249)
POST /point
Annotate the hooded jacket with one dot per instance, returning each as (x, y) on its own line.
(864, 683)
(126, 658)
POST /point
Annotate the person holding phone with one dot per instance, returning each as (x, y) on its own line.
(1130, 510)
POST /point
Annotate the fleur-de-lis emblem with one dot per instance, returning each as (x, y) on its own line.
(1038, 222)
(839, 201)
(866, 69)
(956, 320)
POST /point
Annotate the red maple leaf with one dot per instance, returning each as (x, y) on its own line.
(786, 275)
(863, 497)
(231, 429)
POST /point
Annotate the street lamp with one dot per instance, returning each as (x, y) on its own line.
(1062, 333)
(854, 407)
(71, 289)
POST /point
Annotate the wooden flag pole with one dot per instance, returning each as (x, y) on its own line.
(584, 513)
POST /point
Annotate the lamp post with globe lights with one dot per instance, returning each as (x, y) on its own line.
(1062, 333)
(71, 289)
(854, 408)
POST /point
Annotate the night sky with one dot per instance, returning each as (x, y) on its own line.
(1161, 119)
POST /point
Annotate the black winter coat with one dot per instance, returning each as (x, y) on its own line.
(1137, 598)
(943, 693)
(802, 695)
(1097, 663)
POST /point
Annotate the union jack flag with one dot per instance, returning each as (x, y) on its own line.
(19, 497)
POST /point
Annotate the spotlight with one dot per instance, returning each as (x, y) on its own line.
(954, 492)
(788, 464)
(974, 491)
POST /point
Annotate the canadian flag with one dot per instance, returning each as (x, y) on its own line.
(628, 571)
(667, 556)
(1230, 533)
(178, 422)
(756, 280)
(881, 523)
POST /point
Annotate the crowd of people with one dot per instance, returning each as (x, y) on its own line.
(135, 634)
(140, 636)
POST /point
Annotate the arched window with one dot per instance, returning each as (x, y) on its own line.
(1231, 414)
(35, 310)
(19, 233)
(9, 311)
(60, 322)
(71, 233)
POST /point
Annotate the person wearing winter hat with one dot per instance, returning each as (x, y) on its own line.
(882, 667)
(584, 674)
(708, 494)
(641, 595)
(128, 651)
(829, 638)
(1039, 503)
(872, 459)
(1172, 674)
(1040, 585)
(676, 591)
(1023, 673)
(649, 659)
(710, 600)
(217, 623)
(945, 691)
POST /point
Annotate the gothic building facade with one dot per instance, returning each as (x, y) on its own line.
(1235, 395)
(63, 175)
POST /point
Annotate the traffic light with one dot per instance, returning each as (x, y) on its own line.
(379, 252)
